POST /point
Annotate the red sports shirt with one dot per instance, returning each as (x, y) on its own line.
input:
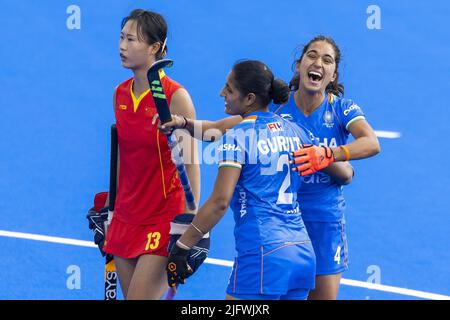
(149, 189)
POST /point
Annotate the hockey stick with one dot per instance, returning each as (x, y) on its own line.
(154, 81)
(110, 267)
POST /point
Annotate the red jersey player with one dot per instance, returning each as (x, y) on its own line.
(149, 192)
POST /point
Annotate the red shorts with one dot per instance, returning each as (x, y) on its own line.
(130, 241)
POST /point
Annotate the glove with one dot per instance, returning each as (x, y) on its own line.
(97, 218)
(312, 158)
(193, 257)
(178, 269)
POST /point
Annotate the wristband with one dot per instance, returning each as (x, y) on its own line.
(347, 153)
(182, 245)
(198, 230)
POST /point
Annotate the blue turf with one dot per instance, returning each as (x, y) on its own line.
(56, 109)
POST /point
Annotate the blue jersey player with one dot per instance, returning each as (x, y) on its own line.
(316, 103)
(275, 258)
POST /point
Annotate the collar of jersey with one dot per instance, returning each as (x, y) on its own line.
(138, 100)
(260, 114)
(323, 104)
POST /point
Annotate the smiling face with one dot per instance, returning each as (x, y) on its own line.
(317, 67)
(134, 52)
(235, 103)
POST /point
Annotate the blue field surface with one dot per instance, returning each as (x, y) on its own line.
(56, 87)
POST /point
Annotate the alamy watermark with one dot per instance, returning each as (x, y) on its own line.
(374, 20)
(73, 21)
(74, 279)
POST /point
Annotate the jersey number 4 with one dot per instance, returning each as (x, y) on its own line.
(337, 256)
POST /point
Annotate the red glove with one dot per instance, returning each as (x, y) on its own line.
(312, 158)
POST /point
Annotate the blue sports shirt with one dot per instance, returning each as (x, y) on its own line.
(322, 199)
(264, 202)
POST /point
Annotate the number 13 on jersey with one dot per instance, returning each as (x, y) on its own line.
(153, 240)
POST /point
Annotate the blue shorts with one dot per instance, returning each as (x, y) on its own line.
(330, 246)
(275, 271)
(294, 294)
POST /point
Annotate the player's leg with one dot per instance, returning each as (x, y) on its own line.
(125, 269)
(327, 287)
(149, 280)
(296, 294)
(330, 246)
(150, 244)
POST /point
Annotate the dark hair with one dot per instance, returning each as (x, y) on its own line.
(252, 76)
(334, 87)
(151, 28)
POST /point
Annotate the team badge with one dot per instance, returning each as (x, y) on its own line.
(328, 119)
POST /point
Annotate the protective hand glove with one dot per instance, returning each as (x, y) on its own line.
(312, 158)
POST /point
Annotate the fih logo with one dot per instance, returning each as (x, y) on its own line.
(274, 126)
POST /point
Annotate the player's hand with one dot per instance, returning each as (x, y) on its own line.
(178, 269)
(97, 216)
(197, 254)
(177, 122)
(97, 225)
(312, 158)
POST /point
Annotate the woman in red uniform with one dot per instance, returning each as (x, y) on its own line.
(149, 192)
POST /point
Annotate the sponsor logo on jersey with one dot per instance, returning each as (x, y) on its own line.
(317, 177)
(325, 143)
(274, 126)
(328, 119)
(287, 116)
(314, 139)
(123, 107)
(243, 201)
(294, 211)
(229, 147)
(352, 107)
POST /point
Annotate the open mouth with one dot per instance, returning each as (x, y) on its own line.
(315, 76)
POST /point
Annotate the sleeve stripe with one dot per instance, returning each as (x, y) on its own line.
(233, 164)
(355, 119)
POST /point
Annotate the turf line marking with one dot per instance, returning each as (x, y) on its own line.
(388, 134)
(227, 263)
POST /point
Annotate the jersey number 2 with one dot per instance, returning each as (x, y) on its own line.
(283, 196)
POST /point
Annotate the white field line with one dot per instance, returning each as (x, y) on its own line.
(227, 263)
(388, 134)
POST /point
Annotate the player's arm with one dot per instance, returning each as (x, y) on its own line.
(202, 129)
(215, 207)
(182, 105)
(341, 172)
(310, 159)
(207, 217)
(365, 144)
